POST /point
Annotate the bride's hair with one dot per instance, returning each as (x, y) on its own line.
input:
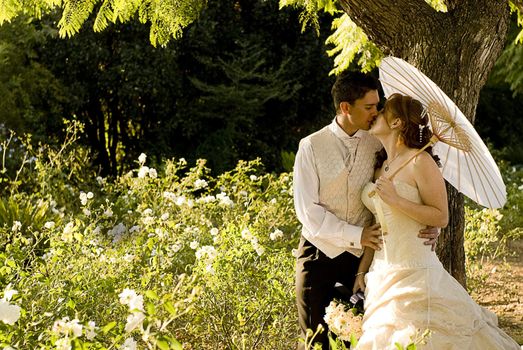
(415, 132)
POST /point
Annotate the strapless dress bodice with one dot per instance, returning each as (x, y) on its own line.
(402, 247)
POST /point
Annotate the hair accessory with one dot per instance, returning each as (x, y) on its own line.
(421, 127)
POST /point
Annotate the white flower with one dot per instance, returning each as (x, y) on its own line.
(243, 193)
(97, 230)
(180, 200)
(206, 199)
(169, 195)
(194, 245)
(108, 212)
(259, 249)
(207, 253)
(136, 304)
(63, 344)
(147, 212)
(8, 292)
(160, 232)
(273, 201)
(152, 173)
(134, 320)
(90, 330)
(129, 344)
(176, 247)
(16, 226)
(253, 177)
(143, 172)
(66, 327)
(67, 234)
(117, 231)
(86, 212)
(134, 228)
(214, 231)
(100, 180)
(246, 234)
(128, 257)
(75, 327)
(49, 225)
(199, 183)
(90, 195)
(142, 158)
(224, 199)
(165, 216)
(182, 161)
(342, 323)
(9, 314)
(276, 234)
(294, 252)
(126, 295)
(83, 198)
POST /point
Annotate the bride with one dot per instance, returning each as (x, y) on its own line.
(406, 287)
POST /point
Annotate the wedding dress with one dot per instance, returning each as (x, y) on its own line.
(407, 288)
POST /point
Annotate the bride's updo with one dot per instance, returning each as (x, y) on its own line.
(415, 132)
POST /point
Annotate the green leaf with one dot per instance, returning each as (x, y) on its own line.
(163, 344)
(170, 308)
(108, 327)
(151, 294)
(151, 309)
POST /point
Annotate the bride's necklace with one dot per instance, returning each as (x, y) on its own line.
(387, 166)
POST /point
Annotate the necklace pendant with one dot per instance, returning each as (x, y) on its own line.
(386, 167)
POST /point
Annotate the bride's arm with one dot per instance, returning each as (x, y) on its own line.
(431, 186)
(366, 260)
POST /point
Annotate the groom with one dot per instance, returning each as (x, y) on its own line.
(332, 165)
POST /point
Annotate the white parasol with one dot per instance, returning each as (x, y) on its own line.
(466, 161)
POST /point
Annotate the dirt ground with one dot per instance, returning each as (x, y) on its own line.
(503, 292)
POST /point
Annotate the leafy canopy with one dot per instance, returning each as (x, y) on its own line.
(166, 17)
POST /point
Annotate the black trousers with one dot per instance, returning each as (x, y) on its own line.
(316, 276)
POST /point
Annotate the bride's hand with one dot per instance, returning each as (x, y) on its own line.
(359, 283)
(386, 190)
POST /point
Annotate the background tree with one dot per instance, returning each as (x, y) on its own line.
(251, 89)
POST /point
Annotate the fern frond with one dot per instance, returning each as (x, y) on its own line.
(350, 41)
(9, 9)
(74, 15)
(125, 9)
(517, 7)
(105, 14)
(168, 18)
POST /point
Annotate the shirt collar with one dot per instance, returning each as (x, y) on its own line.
(341, 134)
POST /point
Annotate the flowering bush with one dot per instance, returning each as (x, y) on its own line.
(170, 258)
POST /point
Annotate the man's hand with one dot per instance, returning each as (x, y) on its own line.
(371, 237)
(431, 235)
(359, 283)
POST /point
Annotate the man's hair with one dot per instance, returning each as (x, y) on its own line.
(350, 86)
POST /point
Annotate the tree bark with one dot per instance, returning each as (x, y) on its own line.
(457, 50)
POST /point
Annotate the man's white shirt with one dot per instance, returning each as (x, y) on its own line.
(322, 228)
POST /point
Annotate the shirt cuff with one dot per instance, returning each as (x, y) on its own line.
(352, 236)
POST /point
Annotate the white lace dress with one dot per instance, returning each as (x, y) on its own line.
(408, 289)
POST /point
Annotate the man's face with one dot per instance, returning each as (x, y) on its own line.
(364, 110)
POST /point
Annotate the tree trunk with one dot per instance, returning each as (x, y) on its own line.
(457, 50)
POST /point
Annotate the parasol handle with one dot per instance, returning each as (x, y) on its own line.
(431, 142)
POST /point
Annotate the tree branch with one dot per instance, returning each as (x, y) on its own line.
(388, 23)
